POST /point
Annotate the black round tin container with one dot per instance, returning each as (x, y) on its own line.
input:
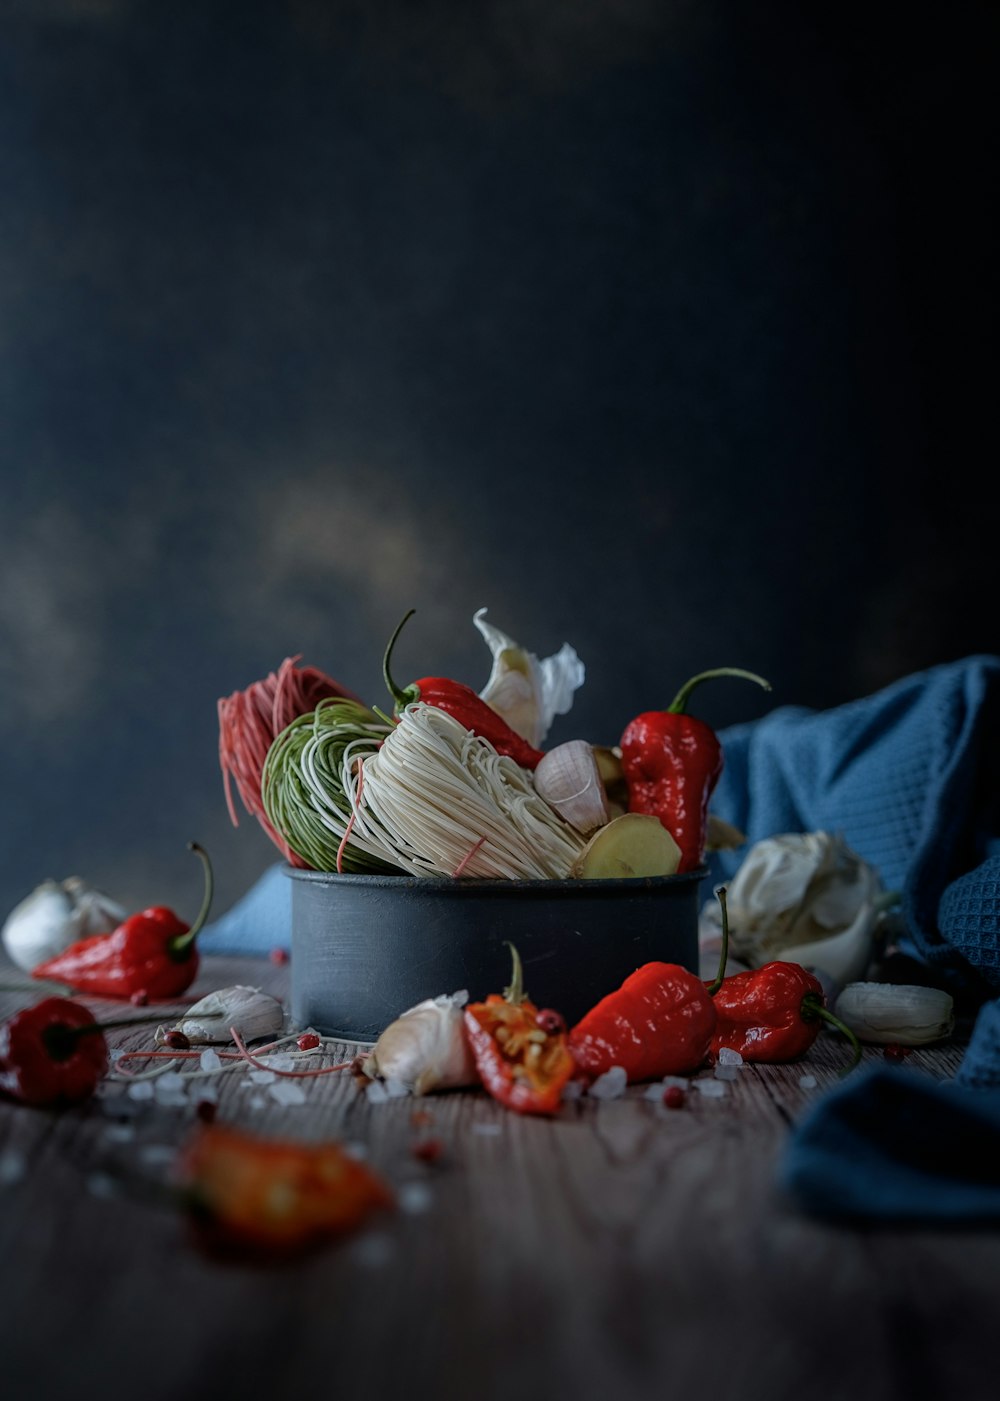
(367, 948)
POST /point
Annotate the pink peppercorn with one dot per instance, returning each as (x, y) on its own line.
(308, 1041)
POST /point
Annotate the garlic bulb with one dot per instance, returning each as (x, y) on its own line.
(569, 780)
(55, 915)
(253, 1013)
(526, 692)
(426, 1049)
(896, 1013)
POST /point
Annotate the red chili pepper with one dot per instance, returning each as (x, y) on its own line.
(672, 762)
(772, 1013)
(520, 1062)
(152, 952)
(52, 1053)
(467, 707)
(272, 1197)
(659, 1022)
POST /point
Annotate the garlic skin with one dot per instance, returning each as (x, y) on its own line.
(569, 780)
(253, 1013)
(426, 1048)
(804, 898)
(897, 1014)
(55, 915)
(526, 692)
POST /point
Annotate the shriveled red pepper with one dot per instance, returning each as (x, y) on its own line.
(659, 1022)
(151, 953)
(52, 1053)
(465, 705)
(271, 1196)
(672, 762)
(521, 1052)
(769, 1014)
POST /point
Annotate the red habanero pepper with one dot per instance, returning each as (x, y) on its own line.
(465, 705)
(659, 1022)
(769, 1014)
(152, 952)
(520, 1051)
(672, 762)
(270, 1197)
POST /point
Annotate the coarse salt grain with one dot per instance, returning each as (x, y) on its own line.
(727, 1056)
(726, 1072)
(281, 1060)
(210, 1060)
(119, 1133)
(711, 1089)
(287, 1092)
(99, 1184)
(157, 1154)
(13, 1166)
(490, 1130)
(414, 1197)
(807, 1082)
(376, 1092)
(262, 1077)
(373, 1251)
(142, 1090)
(610, 1085)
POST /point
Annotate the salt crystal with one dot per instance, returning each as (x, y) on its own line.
(100, 1184)
(119, 1133)
(257, 1103)
(142, 1089)
(13, 1166)
(281, 1060)
(287, 1092)
(396, 1089)
(356, 1150)
(171, 1080)
(727, 1056)
(610, 1085)
(376, 1092)
(262, 1077)
(727, 1072)
(374, 1251)
(116, 1053)
(711, 1089)
(210, 1060)
(490, 1129)
(414, 1197)
(156, 1154)
(807, 1082)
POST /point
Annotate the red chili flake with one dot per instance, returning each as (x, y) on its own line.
(674, 1097)
(308, 1041)
(428, 1150)
(551, 1022)
(140, 998)
(177, 1041)
(896, 1053)
(278, 955)
(206, 1110)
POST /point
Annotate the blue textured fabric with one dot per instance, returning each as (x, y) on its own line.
(892, 1145)
(910, 777)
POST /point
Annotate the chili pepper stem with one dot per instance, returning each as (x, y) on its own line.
(713, 987)
(401, 698)
(679, 702)
(61, 1038)
(515, 994)
(813, 1007)
(180, 945)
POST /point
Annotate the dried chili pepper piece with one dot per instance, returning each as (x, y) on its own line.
(672, 762)
(659, 1022)
(152, 952)
(52, 1053)
(254, 1195)
(521, 1063)
(464, 704)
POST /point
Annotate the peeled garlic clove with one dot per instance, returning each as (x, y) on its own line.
(569, 780)
(896, 1013)
(98, 913)
(426, 1048)
(253, 1013)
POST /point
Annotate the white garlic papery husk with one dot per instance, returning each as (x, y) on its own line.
(426, 1048)
(807, 898)
(569, 780)
(896, 1014)
(524, 691)
(55, 915)
(253, 1013)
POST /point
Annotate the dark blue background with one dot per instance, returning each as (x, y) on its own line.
(659, 328)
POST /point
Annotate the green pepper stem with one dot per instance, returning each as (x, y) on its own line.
(812, 1006)
(713, 988)
(181, 943)
(515, 994)
(679, 702)
(410, 694)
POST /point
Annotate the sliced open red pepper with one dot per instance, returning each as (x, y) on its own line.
(151, 953)
(521, 1052)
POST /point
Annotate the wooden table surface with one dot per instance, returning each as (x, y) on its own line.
(620, 1250)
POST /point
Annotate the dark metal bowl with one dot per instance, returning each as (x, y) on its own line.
(367, 948)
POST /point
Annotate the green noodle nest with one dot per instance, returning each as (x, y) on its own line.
(301, 787)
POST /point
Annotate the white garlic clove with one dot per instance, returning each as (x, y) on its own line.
(426, 1048)
(253, 1013)
(896, 1013)
(41, 926)
(99, 914)
(568, 779)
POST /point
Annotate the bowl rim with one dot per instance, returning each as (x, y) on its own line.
(474, 885)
